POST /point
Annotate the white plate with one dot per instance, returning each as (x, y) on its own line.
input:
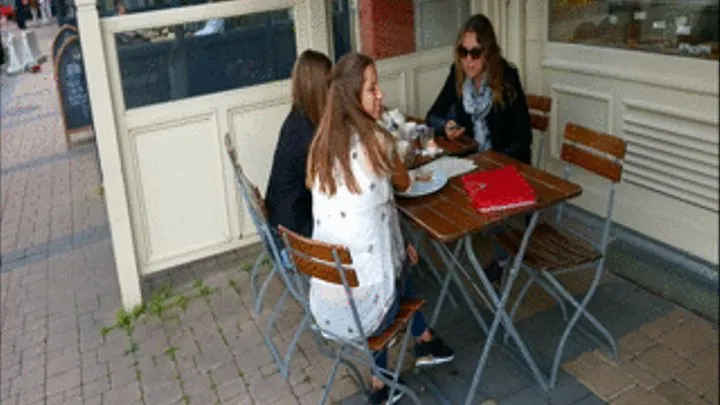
(421, 188)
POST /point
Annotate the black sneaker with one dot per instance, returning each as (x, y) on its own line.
(382, 395)
(433, 353)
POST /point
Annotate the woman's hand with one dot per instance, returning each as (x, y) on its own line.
(453, 130)
(412, 254)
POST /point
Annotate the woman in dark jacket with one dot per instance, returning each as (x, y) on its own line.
(288, 201)
(482, 97)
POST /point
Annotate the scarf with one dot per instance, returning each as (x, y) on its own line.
(477, 103)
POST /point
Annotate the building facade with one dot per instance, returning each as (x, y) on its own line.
(174, 78)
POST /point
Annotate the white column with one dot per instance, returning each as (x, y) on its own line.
(313, 28)
(110, 162)
(515, 51)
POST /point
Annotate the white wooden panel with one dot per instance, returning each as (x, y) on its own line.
(182, 187)
(392, 84)
(582, 106)
(428, 83)
(666, 108)
(255, 130)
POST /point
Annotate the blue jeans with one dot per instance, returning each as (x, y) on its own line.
(418, 325)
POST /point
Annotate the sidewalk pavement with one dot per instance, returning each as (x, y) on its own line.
(59, 293)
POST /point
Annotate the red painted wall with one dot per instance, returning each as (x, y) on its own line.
(387, 27)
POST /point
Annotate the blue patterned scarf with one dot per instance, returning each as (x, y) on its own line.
(477, 103)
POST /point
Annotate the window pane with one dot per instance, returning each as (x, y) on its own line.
(115, 7)
(189, 60)
(342, 28)
(390, 28)
(675, 27)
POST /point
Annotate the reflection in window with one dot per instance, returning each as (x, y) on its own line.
(390, 28)
(676, 27)
(188, 60)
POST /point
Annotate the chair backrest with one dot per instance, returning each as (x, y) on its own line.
(598, 153)
(539, 107)
(594, 151)
(250, 192)
(330, 263)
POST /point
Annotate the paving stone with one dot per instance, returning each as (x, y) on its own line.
(270, 389)
(126, 394)
(663, 362)
(640, 376)
(674, 392)
(162, 393)
(639, 396)
(63, 381)
(231, 389)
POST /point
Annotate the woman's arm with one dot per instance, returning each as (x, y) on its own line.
(519, 120)
(400, 177)
(441, 109)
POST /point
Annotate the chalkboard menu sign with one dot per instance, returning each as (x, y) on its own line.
(72, 88)
(65, 32)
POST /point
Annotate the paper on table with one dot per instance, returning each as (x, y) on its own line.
(451, 166)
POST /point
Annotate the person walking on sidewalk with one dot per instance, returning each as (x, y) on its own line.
(21, 13)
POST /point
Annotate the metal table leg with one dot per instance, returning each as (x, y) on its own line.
(501, 315)
(451, 263)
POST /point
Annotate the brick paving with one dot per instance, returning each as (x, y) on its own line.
(58, 289)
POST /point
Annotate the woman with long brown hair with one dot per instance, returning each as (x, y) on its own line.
(352, 171)
(288, 201)
(483, 99)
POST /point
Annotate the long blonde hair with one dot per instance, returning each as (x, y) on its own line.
(310, 77)
(481, 26)
(343, 117)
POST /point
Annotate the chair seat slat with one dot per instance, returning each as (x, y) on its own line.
(407, 308)
(549, 248)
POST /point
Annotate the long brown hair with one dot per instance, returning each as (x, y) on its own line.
(343, 117)
(310, 77)
(481, 26)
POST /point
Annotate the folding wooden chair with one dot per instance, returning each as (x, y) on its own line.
(560, 249)
(332, 264)
(539, 107)
(280, 265)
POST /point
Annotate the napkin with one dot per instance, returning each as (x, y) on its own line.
(451, 166)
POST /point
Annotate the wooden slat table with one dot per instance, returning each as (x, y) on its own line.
(448, 218)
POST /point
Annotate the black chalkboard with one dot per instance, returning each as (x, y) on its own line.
(65, 32)
(72, 88)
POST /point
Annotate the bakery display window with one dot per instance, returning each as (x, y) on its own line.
(675, 27)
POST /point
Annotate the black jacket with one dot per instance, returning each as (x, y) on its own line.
(509, 125)
(288, 201)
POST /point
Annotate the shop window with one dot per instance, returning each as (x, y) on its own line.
(675, 27)
(188, 60)
(388, 28)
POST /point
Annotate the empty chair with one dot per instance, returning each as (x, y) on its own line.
(539, 107)
(558, 248)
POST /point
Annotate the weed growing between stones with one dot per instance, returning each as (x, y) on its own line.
(162, 301)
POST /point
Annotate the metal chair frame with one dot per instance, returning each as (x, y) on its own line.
(254, 204)
(547, 277)
(349, 352)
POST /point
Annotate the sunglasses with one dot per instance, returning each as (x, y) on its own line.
(474, 53)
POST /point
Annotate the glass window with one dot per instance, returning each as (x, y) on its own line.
(188, 60)
(387, 28)
(676, 27)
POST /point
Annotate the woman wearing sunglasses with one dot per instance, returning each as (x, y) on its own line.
(483, 99)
